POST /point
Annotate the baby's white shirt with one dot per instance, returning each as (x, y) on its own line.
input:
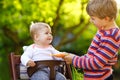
(36, 53)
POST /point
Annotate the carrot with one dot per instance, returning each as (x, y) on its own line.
(60, 55)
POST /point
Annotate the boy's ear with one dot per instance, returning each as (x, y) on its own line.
(107, 18)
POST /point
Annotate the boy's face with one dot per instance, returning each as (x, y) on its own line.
(99, 23)
(44, 36)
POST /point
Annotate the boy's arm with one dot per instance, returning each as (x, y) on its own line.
(100, 57)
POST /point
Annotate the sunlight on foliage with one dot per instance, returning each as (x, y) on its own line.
(17, 5)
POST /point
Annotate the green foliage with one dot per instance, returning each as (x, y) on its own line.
(76, 75)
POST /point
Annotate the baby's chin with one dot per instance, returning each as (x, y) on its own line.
(49, 41)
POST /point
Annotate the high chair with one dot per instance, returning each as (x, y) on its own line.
(14, 61)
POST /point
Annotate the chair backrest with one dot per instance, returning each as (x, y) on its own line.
(15, 69)
(14, 61)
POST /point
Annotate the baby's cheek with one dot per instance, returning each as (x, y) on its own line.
(41, 37)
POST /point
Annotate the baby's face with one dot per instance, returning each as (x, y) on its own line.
(44, 36)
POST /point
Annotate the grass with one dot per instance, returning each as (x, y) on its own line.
(76, 74)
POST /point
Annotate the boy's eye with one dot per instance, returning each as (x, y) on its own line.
(92, 18)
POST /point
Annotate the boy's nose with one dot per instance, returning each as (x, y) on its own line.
(91, 21)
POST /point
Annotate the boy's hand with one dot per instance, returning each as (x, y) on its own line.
(69, 58)
(31, 63)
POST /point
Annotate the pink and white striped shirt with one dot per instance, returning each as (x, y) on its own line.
(101, 56)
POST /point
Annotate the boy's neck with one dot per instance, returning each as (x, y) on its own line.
(110, 25)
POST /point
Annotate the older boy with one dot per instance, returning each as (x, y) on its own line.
(102, 53)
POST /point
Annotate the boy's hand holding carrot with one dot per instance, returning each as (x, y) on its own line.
(66, 56)
(69, 58)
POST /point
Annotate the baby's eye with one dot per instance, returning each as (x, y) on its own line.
(46, 33)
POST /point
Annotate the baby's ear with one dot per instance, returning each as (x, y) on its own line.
(36, 38)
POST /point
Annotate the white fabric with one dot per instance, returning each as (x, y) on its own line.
(35, 53)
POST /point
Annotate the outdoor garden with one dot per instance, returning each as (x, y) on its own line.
(68, 19)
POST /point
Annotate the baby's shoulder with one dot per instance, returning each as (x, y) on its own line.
(29, 47)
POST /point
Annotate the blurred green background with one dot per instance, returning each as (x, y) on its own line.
(68, 19)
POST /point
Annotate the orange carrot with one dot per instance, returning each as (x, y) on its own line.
(60, 55)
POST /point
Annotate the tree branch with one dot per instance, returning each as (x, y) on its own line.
(55, 21)
(73, 39)
(72, 28)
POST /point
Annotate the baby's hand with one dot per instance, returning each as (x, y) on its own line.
(31, 63)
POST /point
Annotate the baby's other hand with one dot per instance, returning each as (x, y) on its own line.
(31, 63)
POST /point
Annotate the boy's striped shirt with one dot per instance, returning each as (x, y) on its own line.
(101, 55)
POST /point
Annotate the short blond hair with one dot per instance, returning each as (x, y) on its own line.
(102, 8)
(36, 27)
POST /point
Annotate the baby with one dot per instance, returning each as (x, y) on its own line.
(41, 49)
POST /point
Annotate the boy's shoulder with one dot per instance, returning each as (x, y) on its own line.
(112, 32)
(116, 32)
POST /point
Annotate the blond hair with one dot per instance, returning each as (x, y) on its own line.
(102, 8)
(36, 27)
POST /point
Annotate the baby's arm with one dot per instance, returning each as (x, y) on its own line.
(26, 58)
